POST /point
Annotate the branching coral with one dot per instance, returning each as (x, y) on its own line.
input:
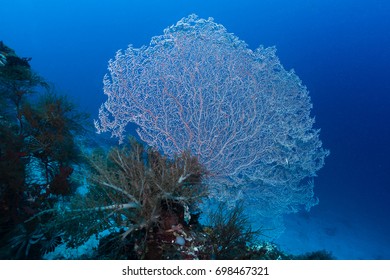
(197, 87)
(130, 188)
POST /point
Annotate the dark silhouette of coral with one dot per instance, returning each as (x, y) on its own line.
(230, 232)
(35, 138)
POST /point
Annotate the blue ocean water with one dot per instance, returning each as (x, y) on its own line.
(339, 48)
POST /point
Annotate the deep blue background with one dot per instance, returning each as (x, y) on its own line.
(339, 48)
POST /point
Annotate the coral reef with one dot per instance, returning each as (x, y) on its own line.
(138, 203)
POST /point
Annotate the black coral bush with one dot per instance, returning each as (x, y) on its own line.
(130, 190)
